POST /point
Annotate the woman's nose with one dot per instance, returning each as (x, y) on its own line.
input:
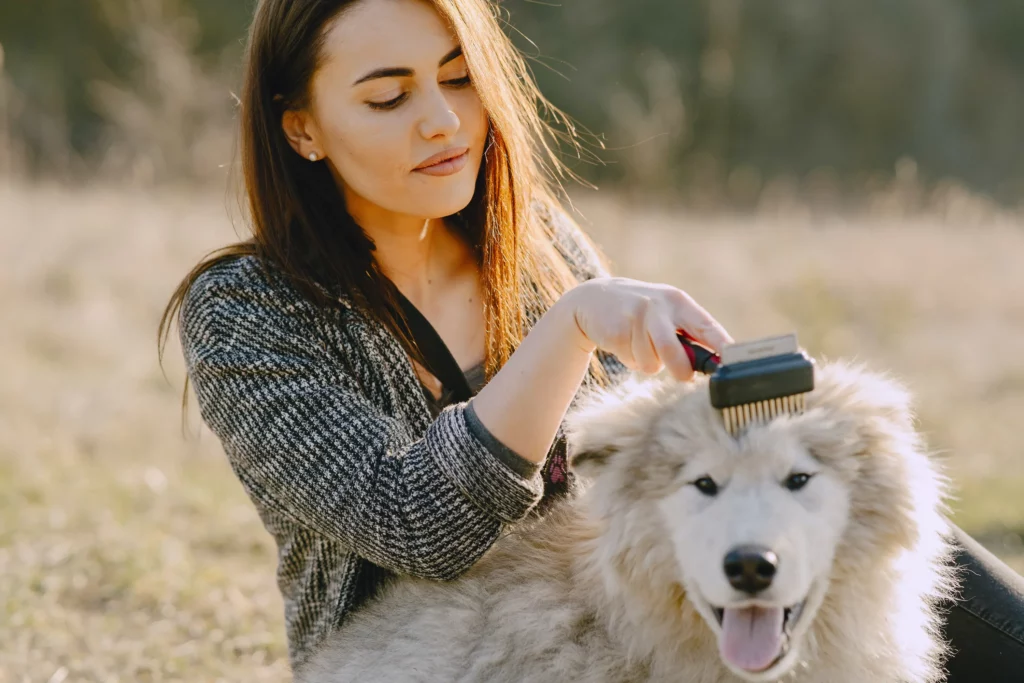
(439, 119)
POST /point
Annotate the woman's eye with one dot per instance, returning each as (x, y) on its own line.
(392, 103)
(706, 485)
(458, 82)
(389, 104)
(796, 481)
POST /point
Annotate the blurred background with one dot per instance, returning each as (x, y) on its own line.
(851, 170)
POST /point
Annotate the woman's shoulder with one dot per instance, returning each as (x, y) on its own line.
(242, 291)
(248, 278)
(241, 273)
(226, 282)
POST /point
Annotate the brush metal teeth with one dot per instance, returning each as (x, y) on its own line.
(737, 418)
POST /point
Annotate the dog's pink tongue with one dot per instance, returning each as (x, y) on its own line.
(751, 636)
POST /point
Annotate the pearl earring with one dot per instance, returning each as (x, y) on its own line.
(312, 156)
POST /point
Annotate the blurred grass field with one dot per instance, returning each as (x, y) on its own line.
(128, 551)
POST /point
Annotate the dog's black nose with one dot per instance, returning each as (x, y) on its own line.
(750, 568)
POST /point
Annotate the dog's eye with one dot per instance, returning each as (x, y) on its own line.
(796, 481)
(706, 485)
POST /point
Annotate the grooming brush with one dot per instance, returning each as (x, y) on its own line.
(754, 382)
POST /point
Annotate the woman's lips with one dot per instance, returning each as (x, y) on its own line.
(446, 167)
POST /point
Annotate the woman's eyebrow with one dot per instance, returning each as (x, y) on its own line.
(396, 71)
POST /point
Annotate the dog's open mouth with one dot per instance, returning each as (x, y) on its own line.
(754, 638)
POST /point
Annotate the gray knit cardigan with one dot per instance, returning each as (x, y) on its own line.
(326, 426)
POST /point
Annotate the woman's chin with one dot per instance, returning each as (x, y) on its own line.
(440, 204)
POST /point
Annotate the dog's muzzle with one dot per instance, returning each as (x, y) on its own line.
(754, 636)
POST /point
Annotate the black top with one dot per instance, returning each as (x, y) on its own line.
(475, 378)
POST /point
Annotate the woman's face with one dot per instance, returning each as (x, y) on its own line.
(393, 91)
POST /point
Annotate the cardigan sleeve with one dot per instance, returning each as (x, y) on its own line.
(307, 443)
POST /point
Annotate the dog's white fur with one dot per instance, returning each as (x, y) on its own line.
(617, 583)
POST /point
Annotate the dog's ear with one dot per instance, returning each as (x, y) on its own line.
(606, 423)
(590, 462)
(864, 409)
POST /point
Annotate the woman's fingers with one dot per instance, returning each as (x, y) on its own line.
(670, 350)
(698, 323)
(644, 353)
(638, 322)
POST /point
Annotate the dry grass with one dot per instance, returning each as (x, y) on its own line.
(130, 553)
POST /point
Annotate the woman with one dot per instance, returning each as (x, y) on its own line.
(378, 167)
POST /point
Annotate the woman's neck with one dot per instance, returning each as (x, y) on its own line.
(421, 256)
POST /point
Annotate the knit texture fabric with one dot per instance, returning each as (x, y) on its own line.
(327, 427)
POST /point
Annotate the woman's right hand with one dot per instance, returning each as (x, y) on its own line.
(637, 322)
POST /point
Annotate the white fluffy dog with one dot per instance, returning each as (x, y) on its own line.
(812, 548)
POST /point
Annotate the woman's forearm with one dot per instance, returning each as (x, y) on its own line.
(525, 402)
(637, 322)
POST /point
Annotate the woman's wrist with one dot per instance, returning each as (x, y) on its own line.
(524, 403)
(568, 306)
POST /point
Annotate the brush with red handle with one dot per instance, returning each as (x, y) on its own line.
(702, 359)
(754, 381)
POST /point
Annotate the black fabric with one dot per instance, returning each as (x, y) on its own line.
(985, 625)
(439, 359)
(474, 375)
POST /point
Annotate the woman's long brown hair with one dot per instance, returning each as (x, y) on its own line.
(297, 213)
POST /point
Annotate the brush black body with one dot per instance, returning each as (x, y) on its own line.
(761, 380)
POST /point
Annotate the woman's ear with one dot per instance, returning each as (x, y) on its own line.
(302, 134)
